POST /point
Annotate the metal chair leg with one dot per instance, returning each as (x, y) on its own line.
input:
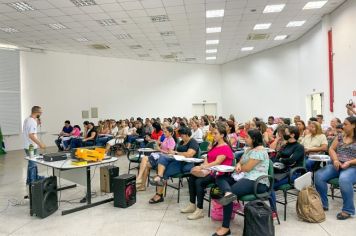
(285, 205)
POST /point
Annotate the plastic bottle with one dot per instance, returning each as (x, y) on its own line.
(31, 150)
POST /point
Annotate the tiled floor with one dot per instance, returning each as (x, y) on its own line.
(140, 219)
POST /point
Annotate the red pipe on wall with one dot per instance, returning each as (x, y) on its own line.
(331, 70)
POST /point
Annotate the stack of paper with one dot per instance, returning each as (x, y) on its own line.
(183, 158)
(222, 168)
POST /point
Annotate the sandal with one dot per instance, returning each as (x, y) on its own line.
(153, 201)
(155, 182)
(227, 199)
(342, 216)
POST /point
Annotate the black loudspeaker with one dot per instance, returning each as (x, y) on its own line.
(124, 190)
(44, 196)
(107, 173)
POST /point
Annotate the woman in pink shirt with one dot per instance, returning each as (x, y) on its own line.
(74, 134)
(220, 154)
(151, 162)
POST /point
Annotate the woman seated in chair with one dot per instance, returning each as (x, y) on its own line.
(219, 154)
(168, 166)
(253, 164)
(149, 162)
(120, 137)
(197, 132)
(314, 143)
(291, 155)
(343, 156)
(156, 133)
(88, 140)
(104, 134)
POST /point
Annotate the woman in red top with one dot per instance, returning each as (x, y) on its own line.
(220, 154)
(156, 133)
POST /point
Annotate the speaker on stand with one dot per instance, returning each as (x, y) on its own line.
(44, 199)
(124, 187)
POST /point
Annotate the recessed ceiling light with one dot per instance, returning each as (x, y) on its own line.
(124, 36)
(215, 41)
(107, 22)
(274, 8)
(211, 50)
(167, 33)
(135, 46)
(280, 37)
(21, 6)
(210, 58)
(83, 3)
(8, 46)
(262, 26)
(244, 49)
(314, 5)
(213, 30)
(296, 23)
(159, 18)
(215, 13)
(82, 39)
(9, 30)
(57, 26)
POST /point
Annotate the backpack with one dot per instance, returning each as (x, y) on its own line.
(258, 219)
(309, 206)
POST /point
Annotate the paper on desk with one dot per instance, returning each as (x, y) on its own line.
(222, 168)
(183, 158)
(319, 157)
(237, 176)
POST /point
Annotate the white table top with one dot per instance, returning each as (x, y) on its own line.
(67, 164)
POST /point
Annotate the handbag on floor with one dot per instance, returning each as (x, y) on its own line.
(258, 219)
(309, 206)
(216, 212)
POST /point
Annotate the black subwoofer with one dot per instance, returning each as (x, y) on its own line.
(44, 196)
(124, 187)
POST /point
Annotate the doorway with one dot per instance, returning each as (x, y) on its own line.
(200, 109)
(314, 104)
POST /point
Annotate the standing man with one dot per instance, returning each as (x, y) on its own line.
(30, 137)
(320, 119)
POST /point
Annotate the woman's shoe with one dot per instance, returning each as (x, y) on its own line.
(197, 214)
(156, 181)
(227, 199)
(342, 216)
(225, 234)
(188, 209)
(153, 201)
(140, 188)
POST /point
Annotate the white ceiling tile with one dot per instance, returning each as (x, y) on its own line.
(92, 9)
(132, 5)
(111, 7)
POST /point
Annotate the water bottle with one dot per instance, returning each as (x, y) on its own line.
(31, 150)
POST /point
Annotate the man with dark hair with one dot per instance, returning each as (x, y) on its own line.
(320, 120)
(30, 139)
(64, 134)
(271, 124)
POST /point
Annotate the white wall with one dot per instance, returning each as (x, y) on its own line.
(65, 84)
(277, 81)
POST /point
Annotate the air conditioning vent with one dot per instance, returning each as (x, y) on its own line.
(257, 36)
(159, 18)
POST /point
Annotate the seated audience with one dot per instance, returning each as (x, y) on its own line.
(104, 133)
(301, 128)
(314, 143)
(219, 154)
(168, 166)
(320, 120)
(120, 137)
(331, 132)
(74, 134)
(89, 136)
(156, 133)
(350, 109)
(343, 156)
(209, 135)
(279, 141)
(271, 123)
(64, 135)
(267, 133)
(254, 163)
(166, 147)
(231, 134)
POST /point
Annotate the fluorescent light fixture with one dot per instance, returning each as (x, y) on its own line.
(124, 36)
(82, 39)
(214, 13)
(107, 22)
(210, 58)
(280, 37)
(159, 18)
(167, 33)
(8, 46)
(245, 49)
(9, 30)
(314, 5)
(83, 3)
(21, 6)
(274, 8)
(211, 50)
(57, 26)
(296, 23)
(262, 26)
(210, 42)
(213, 30)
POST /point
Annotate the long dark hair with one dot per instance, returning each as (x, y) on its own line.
(157, 126)
(352, 120)
(256, 137)
(221, 128)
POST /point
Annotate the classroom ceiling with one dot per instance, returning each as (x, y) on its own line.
(157, 30)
